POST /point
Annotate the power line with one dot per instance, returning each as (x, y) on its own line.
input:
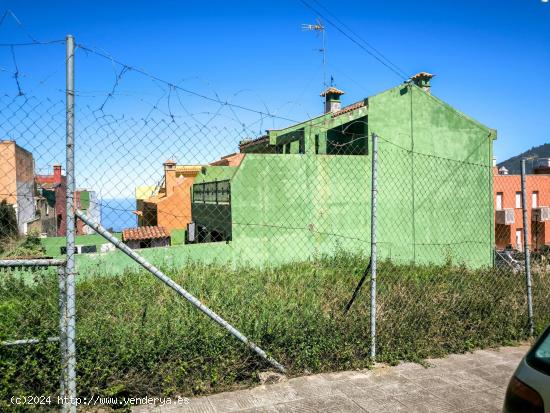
(10, 13)
(376, 54)
(363, 40)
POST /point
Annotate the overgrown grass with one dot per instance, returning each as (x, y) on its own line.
(21, 247)
(136, 337)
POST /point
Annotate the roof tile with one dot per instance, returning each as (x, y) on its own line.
(144, 233)
(349, 108)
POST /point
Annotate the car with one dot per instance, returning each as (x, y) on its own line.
(529, 388)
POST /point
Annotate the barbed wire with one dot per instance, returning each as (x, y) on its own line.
(182, 89)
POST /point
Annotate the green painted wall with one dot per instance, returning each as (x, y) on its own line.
(435, 179)
(52, 245)
(215, 173)
(434, 195)
(293, 207)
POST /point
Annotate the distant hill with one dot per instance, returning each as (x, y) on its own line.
(514, 164)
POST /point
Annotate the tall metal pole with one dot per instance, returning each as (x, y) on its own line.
(63, 328)
(70, 384)
(526, 249)
(374, 194)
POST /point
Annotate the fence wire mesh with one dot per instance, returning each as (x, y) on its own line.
(271, 229)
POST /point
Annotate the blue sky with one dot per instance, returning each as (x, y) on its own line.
(491, 58)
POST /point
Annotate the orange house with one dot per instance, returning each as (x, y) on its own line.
(169, 204)
(234, 159)
(17, 183)
(508, 208)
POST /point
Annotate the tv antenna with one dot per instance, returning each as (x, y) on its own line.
(318, 27)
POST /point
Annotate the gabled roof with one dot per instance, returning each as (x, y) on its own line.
(142, 233)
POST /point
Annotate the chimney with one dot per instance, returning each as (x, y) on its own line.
(169, 176)
(57, 173)
(494, 161)
(422, 80)
(332, 99)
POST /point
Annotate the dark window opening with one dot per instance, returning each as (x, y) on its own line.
(201, 233)
(216, 236)
(302, 148)
(145, 243)
(349, 139)
(287, 148)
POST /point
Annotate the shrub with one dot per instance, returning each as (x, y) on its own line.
(135, 336)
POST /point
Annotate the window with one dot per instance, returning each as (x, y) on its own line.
(518, 239)
(535, 199)
(499, 201)
(518, 199)
(214, 192)
(539, 356)
(287, 148)
(302, 147)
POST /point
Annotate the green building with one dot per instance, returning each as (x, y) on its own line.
(305, 190)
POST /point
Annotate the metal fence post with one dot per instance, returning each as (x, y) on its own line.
(526, 249)
(62, 328)
(70, 357)
(374, 193)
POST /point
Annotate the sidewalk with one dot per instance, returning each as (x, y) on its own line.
(474, 382)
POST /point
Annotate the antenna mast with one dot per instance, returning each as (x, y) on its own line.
(319, 28)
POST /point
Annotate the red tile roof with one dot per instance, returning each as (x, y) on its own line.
(349, 108)
(252, 142)
(144, 233)
(422, 74)
(332, 90)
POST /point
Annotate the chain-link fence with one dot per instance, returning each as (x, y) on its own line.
(270, 229)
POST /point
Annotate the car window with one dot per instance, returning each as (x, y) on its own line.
(539, 356)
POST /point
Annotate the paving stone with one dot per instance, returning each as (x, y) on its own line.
(196, 405)
(349, 389)
(416, 397)
(273, 394)
(424, 372)
(431, 382)
(395, 388)
(232, 402)
(500, 379)
(389, 377)
(432, 407)
(268, 409)
(345, 375)
(408, 367)
(323, 404)
(379, 404)
(473, 382)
